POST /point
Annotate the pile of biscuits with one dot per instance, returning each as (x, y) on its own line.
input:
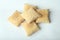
(29, 18)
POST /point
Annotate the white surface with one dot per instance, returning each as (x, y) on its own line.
(48, 31)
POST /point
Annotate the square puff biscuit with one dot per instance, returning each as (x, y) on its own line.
(27, 6)
(30, 28)
(30, 15)
(16, 18)
(44, 18)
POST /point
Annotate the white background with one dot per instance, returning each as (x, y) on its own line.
(49, 31)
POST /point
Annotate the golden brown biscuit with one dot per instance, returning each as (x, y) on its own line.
(16, 18)
(27, 6)
(30, 28)
(30, 15)
(44, 18)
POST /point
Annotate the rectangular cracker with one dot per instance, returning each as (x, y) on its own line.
(44, 18)
(30, 15)
(27, 6)
(16, 18)
(30, 28)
